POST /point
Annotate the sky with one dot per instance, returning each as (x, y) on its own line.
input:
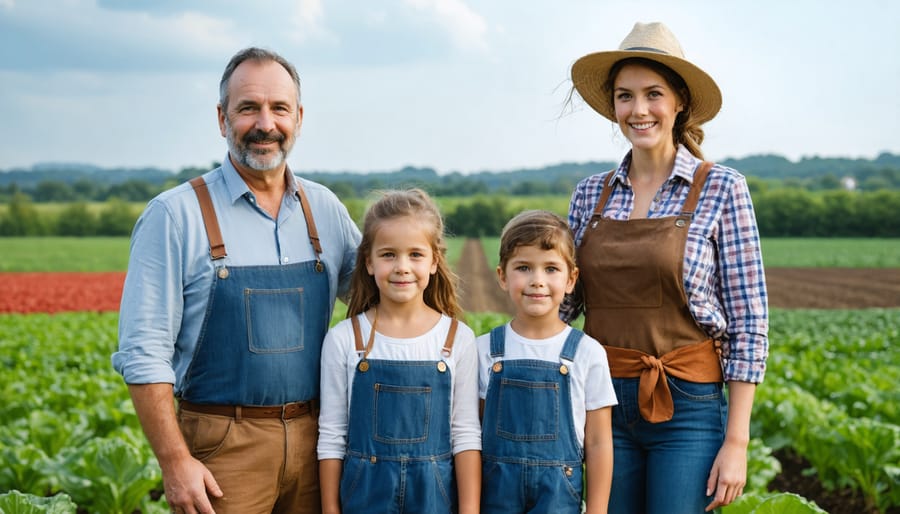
(455, 85)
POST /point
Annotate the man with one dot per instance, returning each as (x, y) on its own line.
(227, 300)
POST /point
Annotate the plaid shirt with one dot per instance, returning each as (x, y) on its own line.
(723, 271)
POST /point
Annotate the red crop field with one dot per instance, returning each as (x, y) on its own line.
(60, 292)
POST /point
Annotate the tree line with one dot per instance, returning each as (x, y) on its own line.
(780, 212)
(74, 182)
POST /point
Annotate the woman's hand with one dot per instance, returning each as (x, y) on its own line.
(728, 474)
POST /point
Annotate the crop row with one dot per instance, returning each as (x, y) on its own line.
(831, 396)
(68, 426)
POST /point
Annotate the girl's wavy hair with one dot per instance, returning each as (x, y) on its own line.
(415, 204)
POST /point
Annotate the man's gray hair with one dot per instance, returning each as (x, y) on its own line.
(259, 55)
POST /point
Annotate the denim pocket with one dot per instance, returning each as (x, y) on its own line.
(274, 319)
(696, 391)
(350, 477)
(443, 476)
(573, 480)
(402, 413)
(528, 411)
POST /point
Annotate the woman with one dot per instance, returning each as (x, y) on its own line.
(672, 282)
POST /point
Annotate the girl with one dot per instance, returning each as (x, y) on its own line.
(673, 281)
(399, 377)
(545, 386)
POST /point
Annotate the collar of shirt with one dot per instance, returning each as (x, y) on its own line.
(237, 187)
(685, 164)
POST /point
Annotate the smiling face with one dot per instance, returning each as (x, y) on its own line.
(262, 118)
(646, 106)
(401, 261)
(537, 280)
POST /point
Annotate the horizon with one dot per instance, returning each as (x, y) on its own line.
(452, 85)
(45, 166)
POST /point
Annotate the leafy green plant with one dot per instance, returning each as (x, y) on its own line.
(16, 502)
(109, 476)
(762, 467)
(778, 503)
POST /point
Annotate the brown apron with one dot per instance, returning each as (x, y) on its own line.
(635, 303)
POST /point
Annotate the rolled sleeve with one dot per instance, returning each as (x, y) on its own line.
(743, 287)
(152, 300)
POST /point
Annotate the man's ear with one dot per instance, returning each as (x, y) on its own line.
(220, 114)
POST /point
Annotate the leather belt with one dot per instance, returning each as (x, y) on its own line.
(286, 411)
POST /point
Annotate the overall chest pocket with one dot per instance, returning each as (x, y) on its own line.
(528, 411)
(402, 413)
(274, 319)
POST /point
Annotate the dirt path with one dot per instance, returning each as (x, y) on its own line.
(789, 288)
(479, 291)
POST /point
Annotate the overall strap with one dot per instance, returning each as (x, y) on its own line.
(604, 195)
(310, 225)
(451, 337)
(498, 341)
(363, 365)
(571, 344)
(210, 221)
(690, 204)
(357, 334)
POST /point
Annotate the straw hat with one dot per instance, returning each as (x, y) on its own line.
(652, 41)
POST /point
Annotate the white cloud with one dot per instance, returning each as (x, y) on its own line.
(307, 20)
(466, 27)
(34, 37)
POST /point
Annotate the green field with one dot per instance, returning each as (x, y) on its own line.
(111, 253)
(554, 203)
(55, 208)
(64, 253)
(831, 253)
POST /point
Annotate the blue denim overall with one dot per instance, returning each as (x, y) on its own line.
(532, 461)
(263, 330)
(399, 455)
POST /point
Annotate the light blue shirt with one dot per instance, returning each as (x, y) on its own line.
(170, 272)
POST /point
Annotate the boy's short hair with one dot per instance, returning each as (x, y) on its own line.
(544, 229)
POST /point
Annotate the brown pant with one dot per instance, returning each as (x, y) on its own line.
(262, 465)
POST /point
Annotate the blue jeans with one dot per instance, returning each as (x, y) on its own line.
(662, 468)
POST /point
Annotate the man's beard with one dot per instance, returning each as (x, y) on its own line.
(264, 160)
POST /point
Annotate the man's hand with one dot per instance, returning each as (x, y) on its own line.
(187, 483)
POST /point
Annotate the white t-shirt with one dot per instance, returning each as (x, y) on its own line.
(339, 359)
(590, 382)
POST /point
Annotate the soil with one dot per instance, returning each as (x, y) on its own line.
(478, 287)
(795, 478)
(833, 288)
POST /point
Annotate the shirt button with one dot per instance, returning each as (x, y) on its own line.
(285, 260)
